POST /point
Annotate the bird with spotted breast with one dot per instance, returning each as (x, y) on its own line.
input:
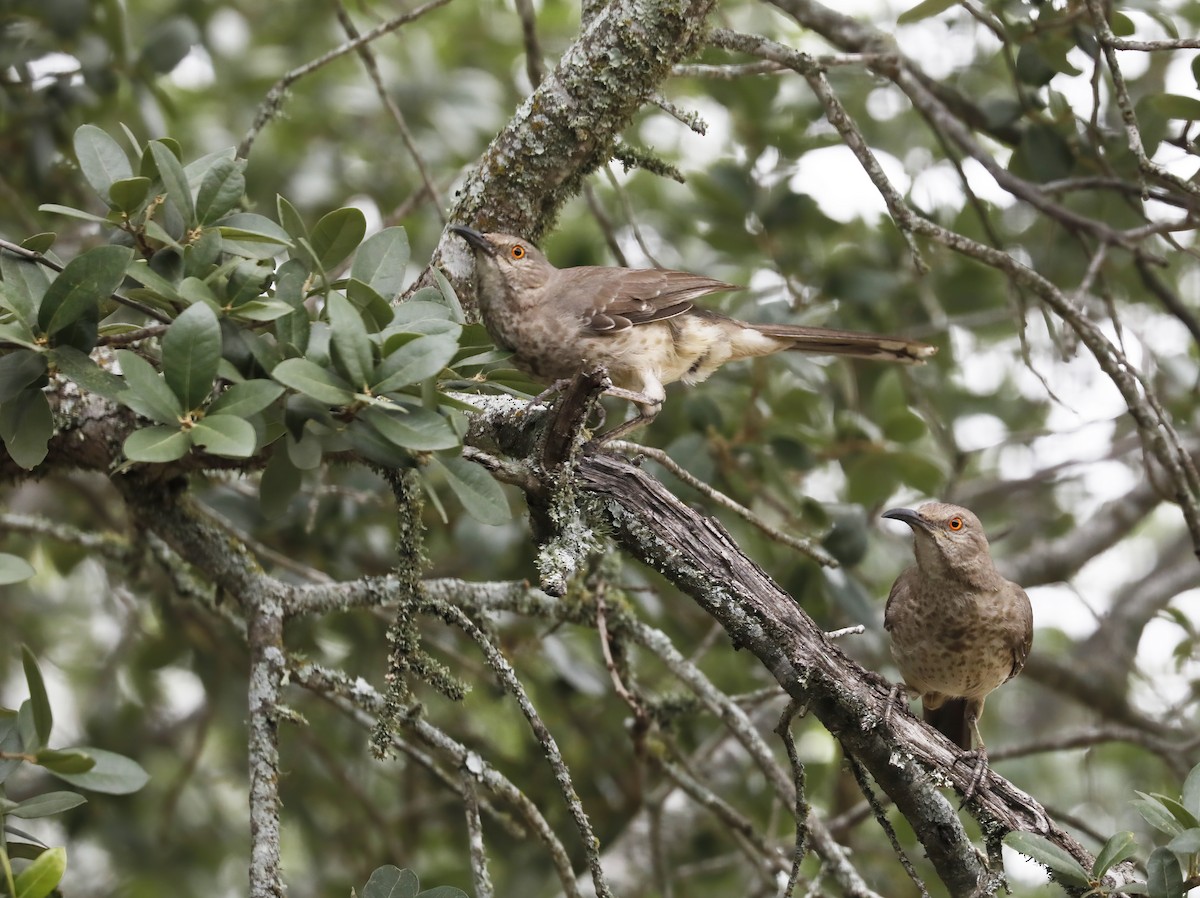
(958, 628)
(640, 324)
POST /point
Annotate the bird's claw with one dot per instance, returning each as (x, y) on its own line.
(898, 695)
(978, 775)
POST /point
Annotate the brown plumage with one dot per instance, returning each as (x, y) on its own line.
(641, 324)
(959, 629)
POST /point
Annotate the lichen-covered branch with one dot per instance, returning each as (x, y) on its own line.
(570, 125)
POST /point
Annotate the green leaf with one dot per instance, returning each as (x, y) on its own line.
(155, 231)
(1042, 155)
(290, 219)
(65, 760)
(128, 194)
(919, 471)
(1049, 855)
(280, 482)
(43, 717)
(415, 361)
(1122, 25)
(113, 774)
(1164, 879)
(101, 159)
(392, 882)
(415, 309)
(174, 180)
(1157, 815)
(381, 262)
(479, 494)
(47, 804)
(1187, 842)
(261, 310)
(246, 399)
(377, 313)
(39, 243)
(17, 295)
(42, 876)
(337, 235)
(1190, 796)
(168, 43)
(26, 427)
(18, 370)
(225, 435)
(1186, 819)
(72, 212)
(191, 351)
(26, 282)
(312, 380)
(10, 743)
(221, 190)
(140, 271)
(294, 329)
(157, 445)
(250, 226)
(924, 10)
(147, 393)
(449, 297)
(1119, 847)
(1177, 106)
(419, 430)
(351, 345)
(14, 569)
(83, 283)
(372, 446)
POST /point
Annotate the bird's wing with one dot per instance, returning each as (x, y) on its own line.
(1020, 632)
(615, 299)
(899, 593)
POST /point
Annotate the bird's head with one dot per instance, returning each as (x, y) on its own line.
(504, 262)
(948, 541)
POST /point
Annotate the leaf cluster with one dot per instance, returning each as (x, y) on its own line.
(266, 340)
(24, 741)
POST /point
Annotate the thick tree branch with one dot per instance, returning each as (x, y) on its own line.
(570, 125)
(697, 554)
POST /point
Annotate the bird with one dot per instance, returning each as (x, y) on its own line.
(959, 629)
(640, 324)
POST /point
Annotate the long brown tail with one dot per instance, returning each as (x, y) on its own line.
(857, 345)
(950, 719)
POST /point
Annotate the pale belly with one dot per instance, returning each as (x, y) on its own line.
(962, 655)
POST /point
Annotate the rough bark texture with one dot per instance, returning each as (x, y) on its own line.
(699, 556)
(569, 126)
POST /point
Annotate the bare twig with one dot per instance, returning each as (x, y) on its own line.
(406, 135)
(275, 97)
(809, 548)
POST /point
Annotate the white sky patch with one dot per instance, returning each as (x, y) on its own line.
(185, 693)
(46, 69)
(980, 431)
(1164, 685)
(228, 32)
(195, 71)
(834, 178)
(669, 134)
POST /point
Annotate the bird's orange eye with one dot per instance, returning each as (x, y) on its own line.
(518, 252)
(955, 524)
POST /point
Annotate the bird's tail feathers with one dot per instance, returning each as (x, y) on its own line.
(950, 719)
(849, 343)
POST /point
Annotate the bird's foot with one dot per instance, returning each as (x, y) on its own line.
(557, 387)
(897, 697)
(980, 772)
